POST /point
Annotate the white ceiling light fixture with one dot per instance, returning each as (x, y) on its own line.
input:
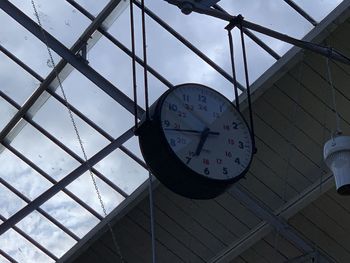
(336, 151)
(337, 157)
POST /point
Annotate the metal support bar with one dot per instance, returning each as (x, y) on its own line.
(68, 55)
(5, 255)
(31, 240)
(278, 223)
(253, 37)
(41, 199)
(262, 44)
(188, 44)
(301, 12)
(275, 220)
(322, 50)
(20, 63)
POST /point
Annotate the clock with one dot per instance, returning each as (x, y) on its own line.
(195, 141)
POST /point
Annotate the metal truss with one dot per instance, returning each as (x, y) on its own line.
(71, 59)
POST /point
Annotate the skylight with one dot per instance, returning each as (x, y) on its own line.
(40, 151)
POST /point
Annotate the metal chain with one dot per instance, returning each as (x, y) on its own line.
(76, 129)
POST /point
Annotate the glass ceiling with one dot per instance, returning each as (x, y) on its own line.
(47, 199)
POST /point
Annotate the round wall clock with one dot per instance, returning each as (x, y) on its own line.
(195, 142)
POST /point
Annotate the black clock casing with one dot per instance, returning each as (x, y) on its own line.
(168, 167)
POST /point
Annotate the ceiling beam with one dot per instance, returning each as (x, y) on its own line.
(277, 220)
(301, 11)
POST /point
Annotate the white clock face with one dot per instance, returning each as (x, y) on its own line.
(206, 132)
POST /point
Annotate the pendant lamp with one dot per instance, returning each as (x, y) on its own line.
(337, 157)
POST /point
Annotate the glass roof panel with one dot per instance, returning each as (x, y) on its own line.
(70, 214)
(258, 60)
(10, 203)
(172, 59)
(65, 27)
(25, 46)
(123, 171)
(83, 187)
(133, 145)
(21, 249)
(277, 15)
(94, 7)
(7, 112)
(21, 176)
(96, 105)
(36, 147)
(19, 88)
(324, 7)
(47, 234)
(3, 260)
(54, 118)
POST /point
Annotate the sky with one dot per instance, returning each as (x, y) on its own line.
(165, 54)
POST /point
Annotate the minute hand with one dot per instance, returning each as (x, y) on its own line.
(191, 131)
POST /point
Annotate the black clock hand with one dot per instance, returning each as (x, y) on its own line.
(204, 136)
(191, 131)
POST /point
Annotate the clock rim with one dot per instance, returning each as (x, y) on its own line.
(157, 118)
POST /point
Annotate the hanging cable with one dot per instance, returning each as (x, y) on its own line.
(247, 87)
(133, 59)
(145, 71)
(330, 80)
(76, 130)
(235, 85)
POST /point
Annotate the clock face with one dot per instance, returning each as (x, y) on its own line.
(206, 132)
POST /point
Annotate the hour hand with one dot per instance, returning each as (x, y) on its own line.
(203, 138)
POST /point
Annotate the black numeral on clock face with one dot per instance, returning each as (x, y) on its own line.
(206, 171)
(202, 98)
(166, 123)
(234, 125)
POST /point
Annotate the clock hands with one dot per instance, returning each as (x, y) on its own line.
(191, 131)
(203, 138)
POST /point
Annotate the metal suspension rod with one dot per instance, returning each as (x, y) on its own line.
(187, 44)
(133, 61)
(145, 71)
(235, 88)
(144, 49)
(248, 89)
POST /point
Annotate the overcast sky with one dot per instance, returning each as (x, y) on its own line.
(167, 55)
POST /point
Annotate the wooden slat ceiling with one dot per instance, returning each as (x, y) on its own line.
(293, 119)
